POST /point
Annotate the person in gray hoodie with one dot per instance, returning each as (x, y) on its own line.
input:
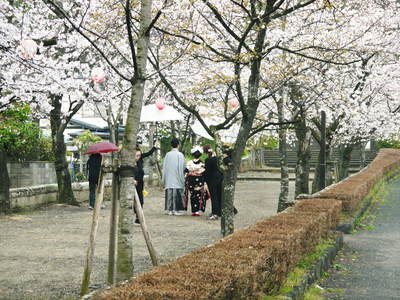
(174, 180)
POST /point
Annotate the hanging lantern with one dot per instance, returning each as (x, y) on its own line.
(27, 49)
(160, 103)
(98, 75)
(233, 103)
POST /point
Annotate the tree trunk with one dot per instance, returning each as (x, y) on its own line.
(231, 171)
(65, 193)
(303, 135)
(113, 242)
(248, 115)
(5, 201)
(37, 150)
(228, 193)
(173, 129)
(114, 216)
(328, 177)
(284, 183)
(125, 255)
(344, 161)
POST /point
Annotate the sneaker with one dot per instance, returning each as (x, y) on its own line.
(179, 213)
(170, 213)
(136, 222)
(195, 214)
(200, 213)
(90, 207)
(213, 217)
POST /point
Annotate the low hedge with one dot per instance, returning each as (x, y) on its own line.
(245, 264)
(256, 261)
(355, 188)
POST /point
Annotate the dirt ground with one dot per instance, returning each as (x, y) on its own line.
(42, 252)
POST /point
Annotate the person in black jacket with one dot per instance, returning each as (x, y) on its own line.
(139, 174)
(213, 177)
(93, 168)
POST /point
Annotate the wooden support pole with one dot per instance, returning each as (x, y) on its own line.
(114, 217)
(93, 232)
(146, 233)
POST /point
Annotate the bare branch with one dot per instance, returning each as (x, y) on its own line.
(64, 14)
(316, 58)
(130, 36)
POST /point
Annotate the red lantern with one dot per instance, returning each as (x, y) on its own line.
(27, 49)
(160, 103)
(233, 103)
(98, 75)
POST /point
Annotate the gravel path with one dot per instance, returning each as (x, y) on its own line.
(369, 267)
(42, 252)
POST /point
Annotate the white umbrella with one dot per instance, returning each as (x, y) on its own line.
(150, 113)
(227, 136)
(199, 130)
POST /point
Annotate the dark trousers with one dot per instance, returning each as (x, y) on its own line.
(92, 192)
(216, 198)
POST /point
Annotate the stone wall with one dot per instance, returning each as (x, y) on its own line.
(34, 196)
(33, 173)
(26, 198)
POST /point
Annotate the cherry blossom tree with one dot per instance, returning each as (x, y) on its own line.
(45, 66)
(119, 32)
(230, 44)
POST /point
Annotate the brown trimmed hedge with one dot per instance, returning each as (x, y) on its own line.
(355, 188)
(256, 260)
(243, 265)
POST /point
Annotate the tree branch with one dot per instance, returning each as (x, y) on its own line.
(316, 58)
(64, 14)
(292, 9)
(130, 36)
(262, 127)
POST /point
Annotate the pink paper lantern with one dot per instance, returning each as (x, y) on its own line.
(27, 49)
(233, 103)
(160, 103)
(98, 75)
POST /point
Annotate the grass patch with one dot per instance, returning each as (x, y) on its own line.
(366, 221)
(337, 291)
(296, 277)
(378, 192)
(314, 293)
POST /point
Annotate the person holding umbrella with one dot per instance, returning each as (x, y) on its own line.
(93, 168)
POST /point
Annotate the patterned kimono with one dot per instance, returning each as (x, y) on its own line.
(194, 184)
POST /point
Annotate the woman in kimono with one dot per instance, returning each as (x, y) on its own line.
(195, 183)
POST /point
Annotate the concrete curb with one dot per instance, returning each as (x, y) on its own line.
(348, 227)
(264, 179)
(318, 269)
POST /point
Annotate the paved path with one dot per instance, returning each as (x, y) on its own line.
(42, 252)
(369, 267)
